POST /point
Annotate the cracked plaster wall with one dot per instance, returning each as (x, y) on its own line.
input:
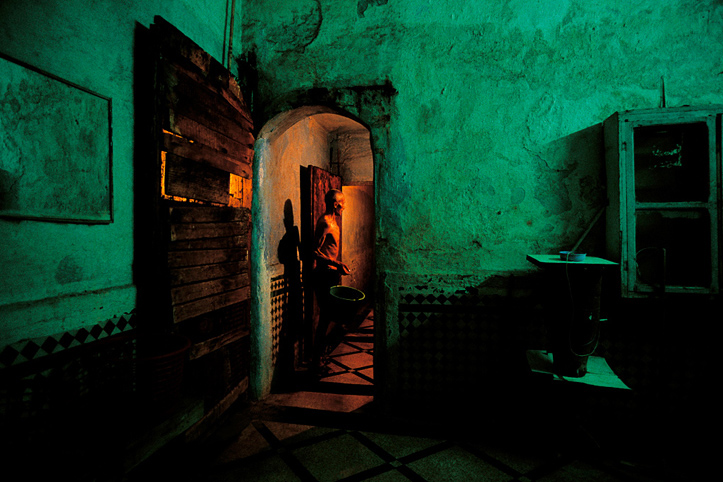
(495, 147)
(58, 277)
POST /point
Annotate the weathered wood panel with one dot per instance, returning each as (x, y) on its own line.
(179, 259)
(190, 128)
(181, 232)
(194, 274)
(238, 242)
(203, 289)
(213, 344)
(192, 96)
(204, 305)
(178, 49)
(183, 147)
(206, 132)
(190, 213)
(215, 413)
(191, 180)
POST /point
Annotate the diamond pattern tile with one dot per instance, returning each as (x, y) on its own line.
(35, 348)
(325, 454)
(280, 311)
(352, 360)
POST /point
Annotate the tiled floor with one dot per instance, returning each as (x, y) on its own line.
(352, 361)
(332, 432)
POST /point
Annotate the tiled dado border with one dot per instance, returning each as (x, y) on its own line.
(37, 348)
(280, 290)
(449, 340)
(279, 300)
(440, 338)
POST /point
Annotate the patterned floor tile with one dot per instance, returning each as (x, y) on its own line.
(337, 458)
(251, 442)
(388, 476)
(400, 446)
(331, 402)
(346, 378)
(578, 470)
(523, 460)
(361, 345)
(286, 431)
(269, 469)
(344, 349)
(455, 464)
(355, 360)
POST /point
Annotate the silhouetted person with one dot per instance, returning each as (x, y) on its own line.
(329, 269)
(292, 316)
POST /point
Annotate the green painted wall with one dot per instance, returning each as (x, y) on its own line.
(57, 277)
(495, 143)
(494, 138)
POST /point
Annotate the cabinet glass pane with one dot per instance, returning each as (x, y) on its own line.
(671, 162)
(673, 248)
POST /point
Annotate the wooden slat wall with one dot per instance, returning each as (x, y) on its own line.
(207, 258)
(212, 156)
(206, 134)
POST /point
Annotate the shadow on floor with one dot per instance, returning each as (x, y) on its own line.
(332, 430)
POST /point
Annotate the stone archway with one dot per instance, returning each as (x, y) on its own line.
(311, 135)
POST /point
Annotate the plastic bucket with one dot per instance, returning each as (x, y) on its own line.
(346, 302)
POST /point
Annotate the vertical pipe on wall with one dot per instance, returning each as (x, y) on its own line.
(225, 61)
(230, 32)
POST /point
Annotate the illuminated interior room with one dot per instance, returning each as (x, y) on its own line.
(326, 240)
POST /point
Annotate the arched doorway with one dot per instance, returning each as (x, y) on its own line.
(335, 142)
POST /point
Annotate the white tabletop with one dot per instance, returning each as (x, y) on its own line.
(551, 259)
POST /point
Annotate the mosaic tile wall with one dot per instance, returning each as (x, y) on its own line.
(50, 374)
(280, 311)
(459, 343)
(279, 303)
(451, 342)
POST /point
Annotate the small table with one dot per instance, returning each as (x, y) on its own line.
(573, 306)
(552, 260)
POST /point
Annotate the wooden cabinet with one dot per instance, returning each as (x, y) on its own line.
(664, 192)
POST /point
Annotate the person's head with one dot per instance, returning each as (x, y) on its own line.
(334, 202)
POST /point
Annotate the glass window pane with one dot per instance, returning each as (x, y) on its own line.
(673, 247)
(671, 162)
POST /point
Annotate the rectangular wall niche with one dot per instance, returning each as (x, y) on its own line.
(55, 148)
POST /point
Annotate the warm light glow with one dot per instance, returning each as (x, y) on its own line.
(178, 135)
(239, 191)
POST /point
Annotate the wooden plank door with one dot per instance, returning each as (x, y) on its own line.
(315, 183)
(205, 146)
